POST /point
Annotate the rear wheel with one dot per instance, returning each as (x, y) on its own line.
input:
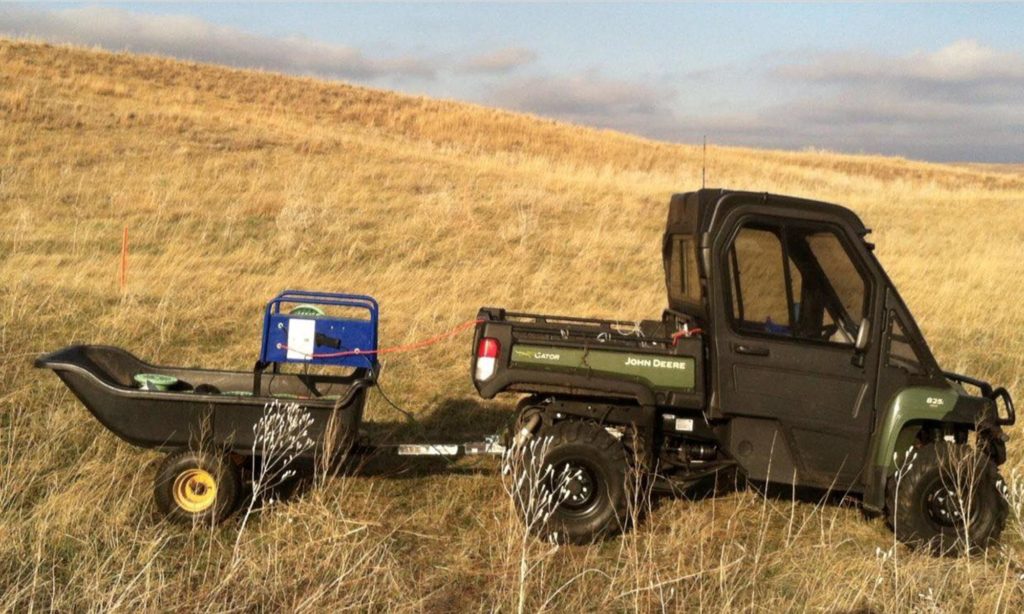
(948, 501)
(571, 483)
(197, 486)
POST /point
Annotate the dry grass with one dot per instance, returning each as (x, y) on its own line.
(237, 184)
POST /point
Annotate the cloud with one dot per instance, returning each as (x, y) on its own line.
(861, 125)
(852, 123)
(963, 62)
(499, 61)
(961, 102)
(590, 99)
(195, 39)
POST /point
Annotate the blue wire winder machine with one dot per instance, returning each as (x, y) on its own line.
(307, 335)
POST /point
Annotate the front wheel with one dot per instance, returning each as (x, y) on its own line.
(571, 483)
(946, 500)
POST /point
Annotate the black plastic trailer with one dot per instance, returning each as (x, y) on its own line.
(209, 421)
(204, 405)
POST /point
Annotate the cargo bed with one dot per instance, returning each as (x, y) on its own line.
(585, 356)
(205, 405)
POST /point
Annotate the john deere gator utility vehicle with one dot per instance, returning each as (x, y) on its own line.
(785, 357)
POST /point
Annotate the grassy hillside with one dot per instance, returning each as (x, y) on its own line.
(236, 184)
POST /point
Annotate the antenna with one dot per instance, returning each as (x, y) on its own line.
(704, 164)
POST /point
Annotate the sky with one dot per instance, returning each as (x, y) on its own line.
(935, 82)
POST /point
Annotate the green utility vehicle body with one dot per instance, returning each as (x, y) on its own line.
(657, 372)
(785, 352)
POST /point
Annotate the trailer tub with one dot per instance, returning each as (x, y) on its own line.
(102, 379)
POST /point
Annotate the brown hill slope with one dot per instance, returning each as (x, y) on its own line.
(236, 184)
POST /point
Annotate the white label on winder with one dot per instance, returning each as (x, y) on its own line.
(301, 335)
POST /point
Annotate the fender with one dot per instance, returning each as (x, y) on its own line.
(919, 404)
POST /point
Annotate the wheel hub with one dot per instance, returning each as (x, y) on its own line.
(576, 484)
(194, 490)
(944, 506)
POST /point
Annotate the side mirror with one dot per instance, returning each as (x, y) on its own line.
(863, 335)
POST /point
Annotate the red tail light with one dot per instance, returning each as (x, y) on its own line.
(487, 358)
(488, 348)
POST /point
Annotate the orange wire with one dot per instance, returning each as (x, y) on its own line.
(394, 349)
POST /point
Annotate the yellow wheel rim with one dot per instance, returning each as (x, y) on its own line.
(195, 490)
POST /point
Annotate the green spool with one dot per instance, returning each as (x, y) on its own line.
(154, 381)
(306, 310)
(237, 393)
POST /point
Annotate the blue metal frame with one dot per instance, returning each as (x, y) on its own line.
(351, 334)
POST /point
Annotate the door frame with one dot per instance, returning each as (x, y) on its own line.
(724, 333)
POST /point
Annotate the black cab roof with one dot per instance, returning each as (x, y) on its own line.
(692, 216)
(697, 212)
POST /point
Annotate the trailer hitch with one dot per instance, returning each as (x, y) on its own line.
(489, 447)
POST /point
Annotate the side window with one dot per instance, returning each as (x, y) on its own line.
(901, 351)
(796, 282)
(760, 300)
(684, 277)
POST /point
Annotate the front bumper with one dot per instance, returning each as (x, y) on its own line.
(992, 394)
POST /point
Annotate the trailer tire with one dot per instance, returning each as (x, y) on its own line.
(571, 483)
(197, 486)
(925, 508)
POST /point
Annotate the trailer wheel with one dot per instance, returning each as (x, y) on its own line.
(197, 486)
(948, 502)
(571, 483)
